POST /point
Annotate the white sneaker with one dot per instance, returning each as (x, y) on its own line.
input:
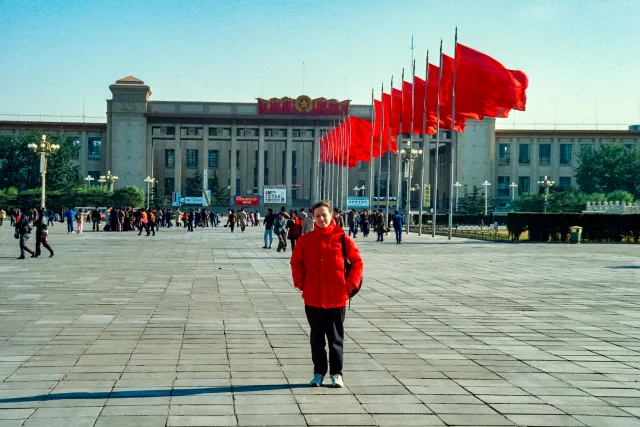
(336, 381)
(317, 380)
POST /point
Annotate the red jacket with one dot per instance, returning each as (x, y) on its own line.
(317, 267)
(295, 228)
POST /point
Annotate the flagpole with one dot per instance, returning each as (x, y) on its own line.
(435, 172)
(331, 164)
(380, 148)
(386, 221)
(408, 207)
(425, 145)
(398, 161)
(346, 167)
(453, 134)
(371, 163)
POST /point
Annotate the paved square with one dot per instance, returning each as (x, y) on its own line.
(205, 329)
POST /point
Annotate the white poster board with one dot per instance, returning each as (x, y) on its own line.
(274, 194)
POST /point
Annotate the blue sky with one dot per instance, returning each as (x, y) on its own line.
(581, 56)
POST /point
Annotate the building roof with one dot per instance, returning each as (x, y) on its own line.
(53, 126)
(578, 133)
(130, 80)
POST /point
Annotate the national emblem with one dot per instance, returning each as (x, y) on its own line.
(304, 104)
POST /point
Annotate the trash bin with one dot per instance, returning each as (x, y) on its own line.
(576, 234)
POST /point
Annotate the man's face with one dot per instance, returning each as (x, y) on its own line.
(322, 216)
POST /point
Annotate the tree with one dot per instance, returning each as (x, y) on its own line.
(129, 196)
(194, 186)
(20, 167)
(613, 167)
(219, 196)
(473, 202)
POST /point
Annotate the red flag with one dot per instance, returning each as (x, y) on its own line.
(386, 116)
(360, 134)
(432, 99)
(485, 87)
(407, 89)
(446, 88)
(396, 111)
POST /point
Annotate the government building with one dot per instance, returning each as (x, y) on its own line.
(247, 149)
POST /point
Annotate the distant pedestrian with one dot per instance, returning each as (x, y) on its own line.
(42, 236)
(22, 231)
(398, 223)
(380, 226)
(190, 220)
(294, 229)
(353, 220)
(3, 216)
(232, 219)
(242, 219)
(70, 217)
(268, 228)
(318, 270)
(280, 230)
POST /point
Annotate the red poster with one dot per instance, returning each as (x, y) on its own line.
(247, 200)
(303, 105)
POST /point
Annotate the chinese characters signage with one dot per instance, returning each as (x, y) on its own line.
(247, 200)
(275, 194)
(303, 105)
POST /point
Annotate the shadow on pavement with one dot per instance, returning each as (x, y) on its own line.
(627, 267)
(153, 393)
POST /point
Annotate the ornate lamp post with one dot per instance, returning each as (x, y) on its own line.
(513, 190)
(101, 180)
(89, 178)
(356, 189)
(408, 156)
(546, 183)
(109, 179)
(149, 181)
(486, 185)
(43, 148)
(457, 185)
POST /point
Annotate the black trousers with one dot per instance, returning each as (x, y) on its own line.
(23, 246)
(189, 225)
(327, 327)
(43, 242)
(96, 225)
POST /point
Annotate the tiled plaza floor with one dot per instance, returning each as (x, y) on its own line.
(205, 329)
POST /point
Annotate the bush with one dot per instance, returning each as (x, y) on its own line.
(556, 227)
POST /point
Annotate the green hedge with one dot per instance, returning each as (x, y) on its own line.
(556, 227)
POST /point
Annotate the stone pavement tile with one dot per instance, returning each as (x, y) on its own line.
(593, 410)
(138, 401)
(16, 414)
(117, 410)
(203, 399)
(204, 421)
(518, 408)
(339, 420)
(263, 399)
(572, 400)
(460, 399)
(61, 422)
(273, 409)
(545, 420)
(397, 408)
(11, 423)
(271, 420)
(387, 399)
(67, 412)
(455, 408)
(401, 420)
(595, 421)
(467, 420)
(632, 410)
(491, 399)
(131, 421)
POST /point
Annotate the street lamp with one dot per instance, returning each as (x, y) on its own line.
(43, 148)
(356, 189)
(457, 185)
(148, 180)
(513, 190)
(486, 185)
(408, 156)
(89, 178)
(102, 181)
(109, 179)
(546, 183)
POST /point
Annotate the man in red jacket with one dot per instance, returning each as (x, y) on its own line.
(317, 267)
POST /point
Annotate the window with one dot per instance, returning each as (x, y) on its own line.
(219, 132)
(74, 141)
(163, 131)
(169, 158)
(169, 185)
(385, 162)
(307, 133)
(191, 185)
(268, 132)
(237, 159)
(266, 168)
(95, 148)
(544, 154)
(504, 154)
(524, 154)
(255, 170)
(192, 158)
(190, 131)
(296, 133)
(503, 186)
(524, 185)
(238, 186)
(565, 154)
(214, 158)
(361, 166)
(247, 132)
(281, 133)
(284, 167)
(294, 169)
(630, 146)
(565, 182)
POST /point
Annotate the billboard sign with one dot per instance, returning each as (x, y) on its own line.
(246, 200)
(358, 202)
(275, 194)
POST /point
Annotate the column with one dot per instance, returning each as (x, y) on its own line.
(178, 165)
(315, 194)
(515, 163)
(204, 155)
(150, 157)
(233, 172)
(288, 179)
(261, 162)
(83, 156)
